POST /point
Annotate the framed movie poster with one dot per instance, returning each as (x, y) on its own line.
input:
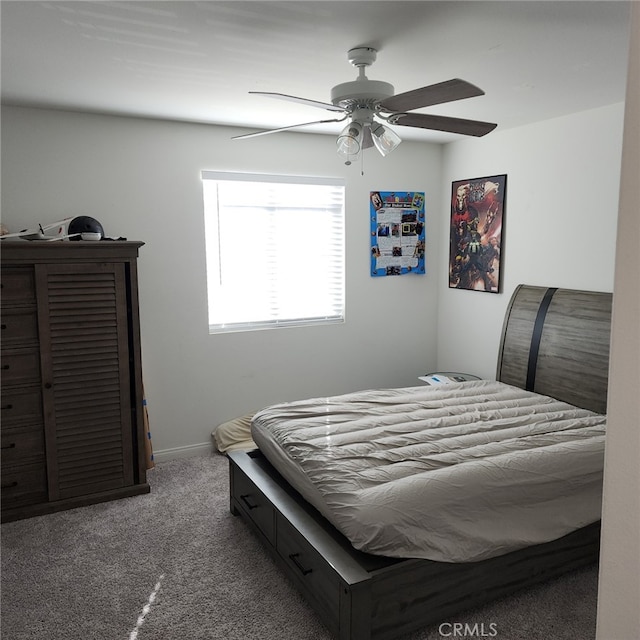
(397, 232)
(477, 222)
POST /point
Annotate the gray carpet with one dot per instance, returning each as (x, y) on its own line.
(176, 565)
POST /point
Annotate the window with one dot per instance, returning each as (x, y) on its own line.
(275, 250)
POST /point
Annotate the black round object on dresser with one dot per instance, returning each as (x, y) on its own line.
(84, 224)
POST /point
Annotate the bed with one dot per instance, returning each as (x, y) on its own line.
(332, 488)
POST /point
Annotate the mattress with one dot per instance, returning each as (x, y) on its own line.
(452, 473)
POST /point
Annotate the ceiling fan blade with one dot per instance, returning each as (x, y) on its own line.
(443, 123)
(311, 103)
(447, 91)
(291, 126)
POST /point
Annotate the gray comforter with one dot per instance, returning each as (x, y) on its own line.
(454, 473)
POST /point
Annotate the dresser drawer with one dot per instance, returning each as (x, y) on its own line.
(309, 570)
(18, 326)
(21, 446)
(21, 406)
(20, 366)
(254, 504)
(17, 285)
(23, 485)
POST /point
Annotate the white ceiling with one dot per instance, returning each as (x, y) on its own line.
(197, 61)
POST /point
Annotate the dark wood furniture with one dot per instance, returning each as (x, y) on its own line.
(550, 337)
(72, 415)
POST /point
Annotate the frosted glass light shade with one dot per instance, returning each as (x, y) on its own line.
(349, 141)
(385, 139)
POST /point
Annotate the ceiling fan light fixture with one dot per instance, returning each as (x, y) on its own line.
(385, 139)
(349, 141)
(361, 101)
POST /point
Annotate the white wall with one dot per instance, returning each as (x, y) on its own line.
(618, 610)
(141, 180)
(559, 227)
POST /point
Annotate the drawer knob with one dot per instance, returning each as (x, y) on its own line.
(6, 407)
(5, 367)
(3, 326)
(11, 445)
(303, 570)
(10, 485)
(246, 498)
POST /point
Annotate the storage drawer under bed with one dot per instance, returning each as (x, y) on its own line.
(326, 569)
(254, 504)
(309, 570)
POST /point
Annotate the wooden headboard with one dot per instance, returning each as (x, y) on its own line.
(556, 342)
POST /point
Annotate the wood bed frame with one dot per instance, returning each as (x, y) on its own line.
(554, 342)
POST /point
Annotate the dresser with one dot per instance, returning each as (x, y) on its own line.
(72, 398)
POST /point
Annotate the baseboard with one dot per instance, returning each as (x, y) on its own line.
(204, 448)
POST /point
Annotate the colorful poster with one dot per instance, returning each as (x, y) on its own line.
(477, 220)
(397, 232)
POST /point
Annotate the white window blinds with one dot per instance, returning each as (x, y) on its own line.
(275, 250)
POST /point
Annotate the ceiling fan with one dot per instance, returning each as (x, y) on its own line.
(368, 104)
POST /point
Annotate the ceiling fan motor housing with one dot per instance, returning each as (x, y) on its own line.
(360, 93)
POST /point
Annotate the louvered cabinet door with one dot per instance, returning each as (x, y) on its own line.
(85, 362)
